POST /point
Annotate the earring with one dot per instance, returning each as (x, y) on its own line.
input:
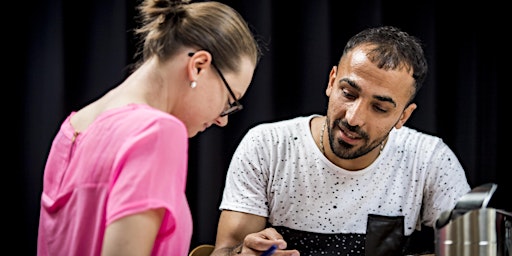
(193, 84)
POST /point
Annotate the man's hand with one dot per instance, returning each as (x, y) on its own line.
(257, 243)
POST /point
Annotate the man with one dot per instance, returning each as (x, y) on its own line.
(353, 182)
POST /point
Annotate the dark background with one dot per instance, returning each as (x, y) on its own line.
(60, 55)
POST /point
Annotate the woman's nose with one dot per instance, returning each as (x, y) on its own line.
(221, 121)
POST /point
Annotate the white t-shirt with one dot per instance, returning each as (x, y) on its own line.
(278, 172)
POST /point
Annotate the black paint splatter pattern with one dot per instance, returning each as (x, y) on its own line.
(312, 244)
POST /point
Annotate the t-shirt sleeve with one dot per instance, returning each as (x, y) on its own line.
(150, 171)
(247, 177)
(446, 183)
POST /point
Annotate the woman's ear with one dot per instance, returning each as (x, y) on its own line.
(198, 62)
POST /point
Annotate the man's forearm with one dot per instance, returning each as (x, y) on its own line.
(228, 251)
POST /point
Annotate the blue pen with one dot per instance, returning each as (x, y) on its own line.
(270, 250)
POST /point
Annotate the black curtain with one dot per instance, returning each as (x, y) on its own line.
(60, 55)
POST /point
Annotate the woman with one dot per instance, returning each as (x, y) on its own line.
(114, 181)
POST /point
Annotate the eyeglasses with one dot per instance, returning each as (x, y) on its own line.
(233, 107)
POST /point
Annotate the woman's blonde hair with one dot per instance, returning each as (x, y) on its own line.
(168, 25)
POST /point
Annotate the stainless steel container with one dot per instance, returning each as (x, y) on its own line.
(473, 229)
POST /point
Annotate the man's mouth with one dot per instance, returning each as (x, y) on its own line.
(349, 137)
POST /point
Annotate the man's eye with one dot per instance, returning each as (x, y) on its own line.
(347, 95)
(379, 109)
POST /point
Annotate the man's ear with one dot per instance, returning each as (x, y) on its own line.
(405, 115)
(330, 83)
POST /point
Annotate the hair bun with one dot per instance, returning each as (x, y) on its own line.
(170, 3)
